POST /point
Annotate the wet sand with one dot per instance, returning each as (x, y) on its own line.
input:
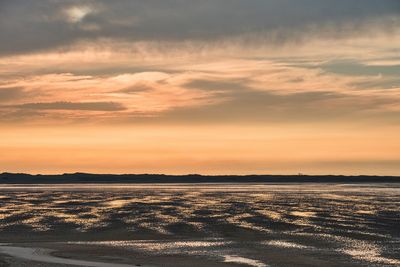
(204, 225)
(43, 255)
(59, 254)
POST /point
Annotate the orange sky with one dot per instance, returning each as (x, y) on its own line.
(180, 149)
(90, 88)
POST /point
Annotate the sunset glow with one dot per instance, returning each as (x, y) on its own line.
(210, 87)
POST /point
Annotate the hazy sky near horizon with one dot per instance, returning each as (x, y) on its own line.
(211, 86)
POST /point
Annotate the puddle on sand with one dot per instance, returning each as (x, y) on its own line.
(43, 255)
(286, 244)
(242, 260)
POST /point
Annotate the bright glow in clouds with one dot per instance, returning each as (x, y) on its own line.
(125, 87)
(77, 13)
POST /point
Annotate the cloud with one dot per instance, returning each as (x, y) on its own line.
(261, 107)
(380, 84)
(77, 13)
(264, 79)
(223, 90)
(218, 85)
(142, 93)
(137, 88)
(244, 104)
(87, 106)
(38, 25)
(353, 67)
(10, 116)
(7, 94)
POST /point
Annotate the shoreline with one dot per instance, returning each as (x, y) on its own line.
(87, 178)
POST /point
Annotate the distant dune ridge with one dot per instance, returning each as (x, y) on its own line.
(22, 178)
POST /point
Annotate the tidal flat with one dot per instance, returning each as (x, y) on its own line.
(200, 225)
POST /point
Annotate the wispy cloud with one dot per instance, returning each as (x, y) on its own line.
(9, 94)
(91, 106)
(217, 90)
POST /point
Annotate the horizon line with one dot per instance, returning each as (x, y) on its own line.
(197, 174)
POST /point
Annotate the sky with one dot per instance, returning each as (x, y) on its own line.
(208, 87)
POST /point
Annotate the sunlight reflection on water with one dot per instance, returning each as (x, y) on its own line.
(360, 222)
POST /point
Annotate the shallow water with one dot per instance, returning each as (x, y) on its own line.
(250, 224)
(43, 255)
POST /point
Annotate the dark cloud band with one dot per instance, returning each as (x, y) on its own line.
(36, 25)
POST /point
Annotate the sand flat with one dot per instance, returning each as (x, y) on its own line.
(189, 225)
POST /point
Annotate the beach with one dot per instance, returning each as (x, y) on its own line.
(200, 225)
